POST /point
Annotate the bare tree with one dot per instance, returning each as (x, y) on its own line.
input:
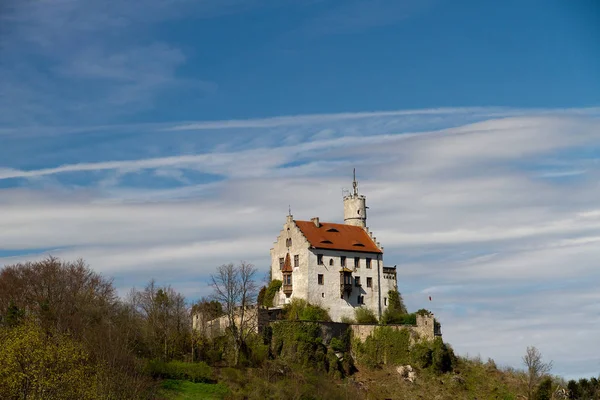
(234, 287)
(536, 369)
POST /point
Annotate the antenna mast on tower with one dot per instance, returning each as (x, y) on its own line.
(354, 183)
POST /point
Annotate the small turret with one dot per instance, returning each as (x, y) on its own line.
(355, 207)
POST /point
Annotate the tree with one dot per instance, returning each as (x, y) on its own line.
(396, 310)
(34, 365)
(536, 369)
(235, 288)
(164, 319)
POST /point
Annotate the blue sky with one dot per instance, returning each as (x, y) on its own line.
(166, 140)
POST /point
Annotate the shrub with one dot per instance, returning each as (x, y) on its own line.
(299, 309)
(391, 317)
(363, 315)
(386, 345)
(421, 355)
(347, 320)
(269, 295)
(443, 358)
(337, 345)
(36, 365)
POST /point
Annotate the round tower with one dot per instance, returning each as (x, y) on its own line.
(355, 207)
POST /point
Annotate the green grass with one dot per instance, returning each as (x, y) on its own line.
(186, 390)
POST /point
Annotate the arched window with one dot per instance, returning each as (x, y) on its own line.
(331, 261)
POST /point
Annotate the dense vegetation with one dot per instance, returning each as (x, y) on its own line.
(65, 334)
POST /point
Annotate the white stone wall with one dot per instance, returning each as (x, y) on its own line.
(328, 294)
(305, 277)
(299, 247)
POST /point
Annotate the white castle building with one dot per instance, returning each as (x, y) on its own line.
(337, 266)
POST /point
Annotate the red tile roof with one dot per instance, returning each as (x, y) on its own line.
(338, 237)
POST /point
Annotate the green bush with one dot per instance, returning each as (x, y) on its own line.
(421, 355)
(443, 358)
(337, 345)
(269, 295)
(194, 372)
(436, 356)
(391, 317)
(363, 315)
(301, 310)
(347, 320)
(386, 345)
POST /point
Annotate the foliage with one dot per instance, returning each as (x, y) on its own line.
(186, 390)
(193, 372)
(396, 310)
(270, 292)
(347, 320)
(442, 358)
(68, 300)
(364, 315)
(34, 365)
(337, 345)
(544, 390)
(386, 345)
(392, 318)
(210, 309)
(260, 298)
(301, 343)
(536, 369)
(396, 303)
(301, 310)
(584, 389)
(163, 321)
(235, 288)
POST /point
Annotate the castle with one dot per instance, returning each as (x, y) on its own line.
(337, 266)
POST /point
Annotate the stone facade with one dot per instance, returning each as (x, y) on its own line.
(424, 330)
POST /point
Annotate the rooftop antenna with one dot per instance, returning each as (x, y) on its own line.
(354, 183)
(289, 209)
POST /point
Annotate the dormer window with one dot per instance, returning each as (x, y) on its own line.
(326, 241)
(332, 230)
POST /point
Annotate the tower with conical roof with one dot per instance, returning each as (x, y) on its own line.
(355, 206)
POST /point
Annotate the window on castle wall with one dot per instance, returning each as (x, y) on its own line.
(319, 259)
(296, 261)
(385, 301)
(356, 262)
(331, 261)
(281, 262)
(320, 279)
(361, 299)
(287, 279)
(357, 281)
(343, 261)
(369, 282)
(368, 262)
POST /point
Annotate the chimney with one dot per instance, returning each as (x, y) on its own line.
(315, 221)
